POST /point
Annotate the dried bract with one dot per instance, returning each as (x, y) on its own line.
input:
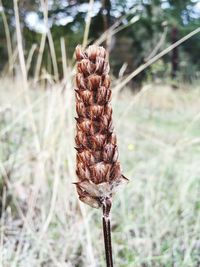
(98, 169)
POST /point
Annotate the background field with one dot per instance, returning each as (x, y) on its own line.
(155, 218)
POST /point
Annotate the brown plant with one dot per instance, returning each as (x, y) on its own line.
(98, 169)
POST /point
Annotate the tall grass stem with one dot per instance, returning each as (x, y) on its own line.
(8, 37)
(88, 23)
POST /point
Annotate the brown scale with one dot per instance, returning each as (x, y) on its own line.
(98, 169)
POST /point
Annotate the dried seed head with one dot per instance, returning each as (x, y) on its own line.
(98, 169)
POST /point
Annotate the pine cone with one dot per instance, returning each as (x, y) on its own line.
(98, 168)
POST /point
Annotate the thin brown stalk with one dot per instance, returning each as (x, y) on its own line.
(107, 233)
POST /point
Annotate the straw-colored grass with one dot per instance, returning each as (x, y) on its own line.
(155, 218)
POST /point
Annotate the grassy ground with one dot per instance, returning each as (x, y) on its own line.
(155, 218)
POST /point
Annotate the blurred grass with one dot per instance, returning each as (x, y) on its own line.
(155, 218)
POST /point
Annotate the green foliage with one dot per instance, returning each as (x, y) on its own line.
(133, 44)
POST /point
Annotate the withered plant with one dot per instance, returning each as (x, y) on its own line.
(98, 169)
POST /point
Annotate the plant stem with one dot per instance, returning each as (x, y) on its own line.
(107, 232)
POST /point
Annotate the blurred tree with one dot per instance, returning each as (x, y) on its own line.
(135, 43)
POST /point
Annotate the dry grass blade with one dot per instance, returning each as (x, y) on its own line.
(155, 58)
(8, 36)
(88, 22)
